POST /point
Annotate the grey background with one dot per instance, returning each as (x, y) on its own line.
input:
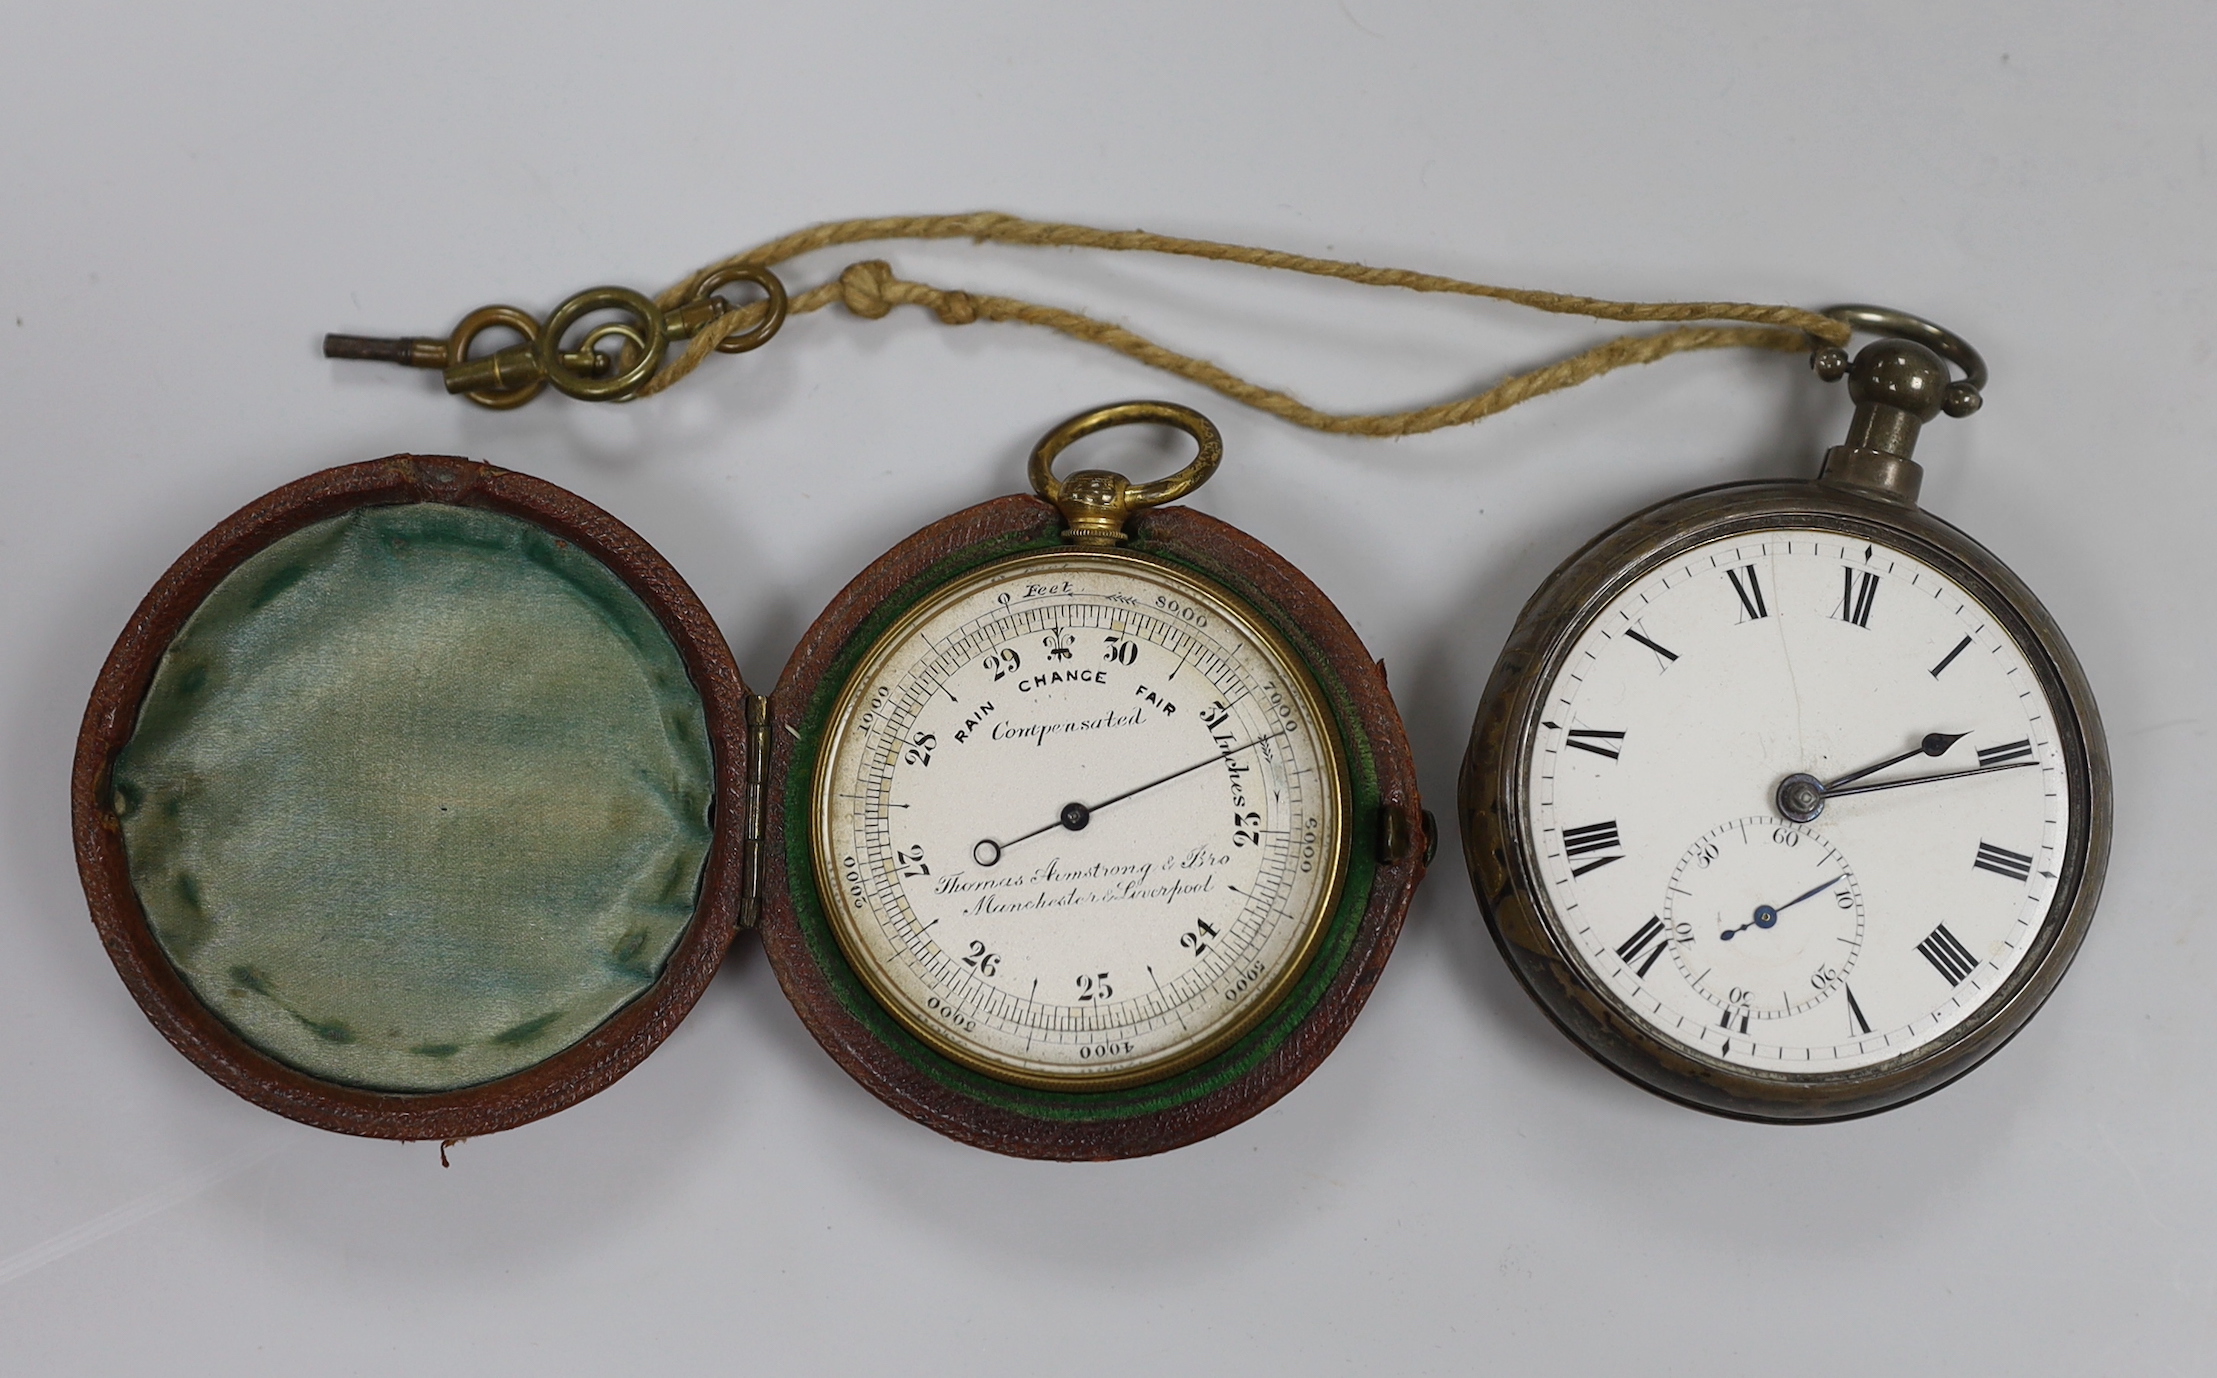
(190, 200)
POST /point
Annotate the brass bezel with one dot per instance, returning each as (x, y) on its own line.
(1236, 612)
(1504, 861)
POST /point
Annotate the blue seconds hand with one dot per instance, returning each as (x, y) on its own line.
(1765, 915)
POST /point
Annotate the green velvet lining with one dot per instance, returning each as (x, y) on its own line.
(1186, 1087)
(418, 797)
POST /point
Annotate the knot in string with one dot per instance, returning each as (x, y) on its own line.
(862, 288)
(870, 291)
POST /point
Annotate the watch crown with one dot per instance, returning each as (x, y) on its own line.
(1898, 385)
(1899, 376)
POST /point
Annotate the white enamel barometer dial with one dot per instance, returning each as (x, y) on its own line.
(1676, 871)
(1079, 819)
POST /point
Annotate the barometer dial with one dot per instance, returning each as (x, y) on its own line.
(1079, 819)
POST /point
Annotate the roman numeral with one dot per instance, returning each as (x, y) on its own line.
(1650, 932)
(1857, 589)
(1949, 658)
(1593, 837)
(1656, 646)
(1855, 1012)
(1751, 593)
(1948, 955)
(1595, 740)
(1998, 755)
(2003, 862)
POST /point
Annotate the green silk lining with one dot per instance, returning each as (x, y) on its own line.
(418, 797)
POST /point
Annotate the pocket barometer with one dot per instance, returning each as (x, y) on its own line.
(1787, 800)
(422, 799)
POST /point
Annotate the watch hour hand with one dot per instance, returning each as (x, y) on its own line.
(1934, 744)
(1801, 796)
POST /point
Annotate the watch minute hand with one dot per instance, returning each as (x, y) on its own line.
(1928, 779)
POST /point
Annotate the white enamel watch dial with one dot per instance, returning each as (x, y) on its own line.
(1080, 819)
(1673, 864)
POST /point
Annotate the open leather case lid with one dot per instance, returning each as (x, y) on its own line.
(411, 802)
(421, 799)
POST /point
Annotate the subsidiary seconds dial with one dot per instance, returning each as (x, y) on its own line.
(1764, 919)
(1080, 820)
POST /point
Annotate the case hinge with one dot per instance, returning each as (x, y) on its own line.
(1402, 832)
(750, 849)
